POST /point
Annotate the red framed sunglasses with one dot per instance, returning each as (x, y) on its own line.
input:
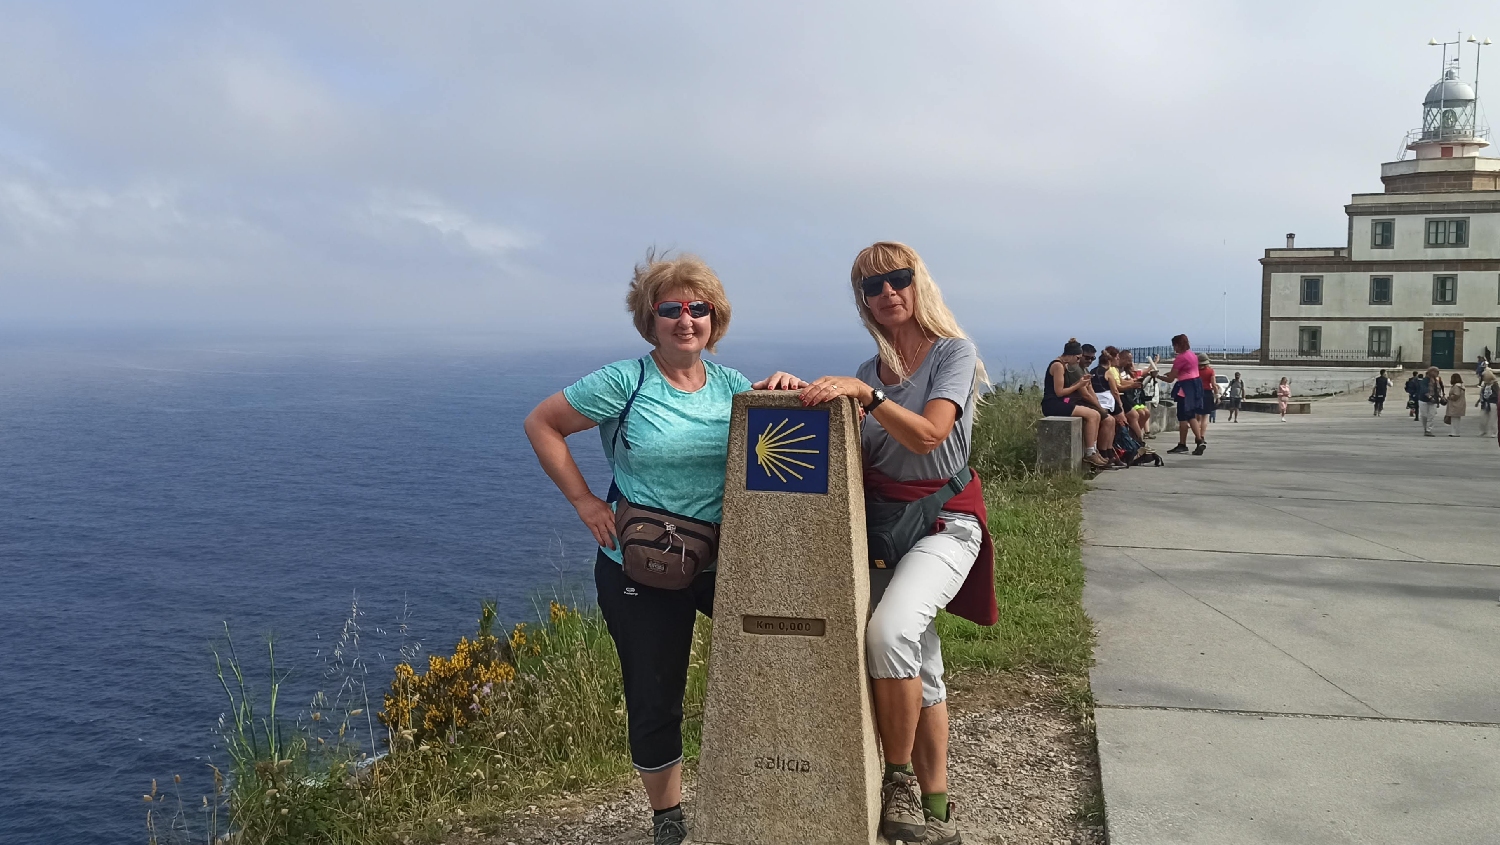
(671, 309)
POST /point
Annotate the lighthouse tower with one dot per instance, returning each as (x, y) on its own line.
(1446, 149)
(1450, 123)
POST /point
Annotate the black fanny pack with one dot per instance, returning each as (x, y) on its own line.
(893, 528)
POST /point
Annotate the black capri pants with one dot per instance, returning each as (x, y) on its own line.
(653, 634)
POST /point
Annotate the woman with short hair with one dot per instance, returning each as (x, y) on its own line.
(664, 423)
(919, 393)
(1187, 392)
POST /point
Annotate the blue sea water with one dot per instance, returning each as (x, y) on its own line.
(152, 492)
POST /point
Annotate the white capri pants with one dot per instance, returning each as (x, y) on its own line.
(901, 640)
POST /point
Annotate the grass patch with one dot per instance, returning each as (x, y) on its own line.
(507, 721)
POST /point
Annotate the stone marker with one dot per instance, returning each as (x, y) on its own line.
(1059, 444)
(1163, 417)
(789, 748)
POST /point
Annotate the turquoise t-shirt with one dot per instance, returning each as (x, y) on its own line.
(679, 441)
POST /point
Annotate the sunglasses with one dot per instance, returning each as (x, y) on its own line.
(671, 309)
(898, 279)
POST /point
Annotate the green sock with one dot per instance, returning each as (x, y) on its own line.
(892, 768)
(936, 805)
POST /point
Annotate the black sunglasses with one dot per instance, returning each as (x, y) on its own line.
(898, 279)
(672, 308)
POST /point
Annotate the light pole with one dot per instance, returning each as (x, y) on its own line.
(1226, 321)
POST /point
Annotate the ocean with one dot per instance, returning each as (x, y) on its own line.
(153, 492)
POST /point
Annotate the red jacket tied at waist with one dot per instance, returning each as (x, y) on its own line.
(975, 600)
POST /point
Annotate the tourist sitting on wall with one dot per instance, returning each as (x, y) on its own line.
(1187, 392)
(1061, 398)
(1128, 382)
(1112, 403)
(664, 421)
(1458, 405)
(1107, 422)
(919, 394)
(1433, 397)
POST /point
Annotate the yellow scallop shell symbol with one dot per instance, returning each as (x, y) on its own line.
(774, 450)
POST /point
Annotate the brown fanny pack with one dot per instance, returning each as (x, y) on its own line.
(662, 549)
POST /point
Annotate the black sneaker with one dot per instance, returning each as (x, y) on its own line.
(1200, 448)
(670, 829)
(901, 814)
(1179, 449)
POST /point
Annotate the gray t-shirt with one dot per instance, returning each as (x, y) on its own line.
(946, 373)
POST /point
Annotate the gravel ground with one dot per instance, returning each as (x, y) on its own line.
(1021, 768)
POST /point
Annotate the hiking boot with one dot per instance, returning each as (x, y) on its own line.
(940, 832)
(901, 813)
(1096, 461)
(669, 829)
(1179, 449)
(1200, 448)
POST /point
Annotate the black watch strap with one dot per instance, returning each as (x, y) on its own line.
(875, 403)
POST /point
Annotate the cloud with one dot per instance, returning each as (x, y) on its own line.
(487, 239)
(372, 161)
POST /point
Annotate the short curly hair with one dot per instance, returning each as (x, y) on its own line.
(659, 274)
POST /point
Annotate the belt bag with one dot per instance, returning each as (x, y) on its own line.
(893, 528)
(662, 549)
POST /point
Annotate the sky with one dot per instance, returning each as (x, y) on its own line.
(1065, 169)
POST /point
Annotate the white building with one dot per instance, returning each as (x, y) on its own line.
(1419, 279)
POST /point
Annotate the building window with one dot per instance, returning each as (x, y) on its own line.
(1380, 341)
(1444, 290)
(1312, 290)
(1448, 232)
(1382, 234)
(1309, 340)
(1380, 290)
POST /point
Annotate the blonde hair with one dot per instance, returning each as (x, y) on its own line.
(931, 313)
(657, 275)
(1489, 376)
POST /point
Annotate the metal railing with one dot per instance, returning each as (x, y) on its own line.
(1166, 353)
(1335, 355)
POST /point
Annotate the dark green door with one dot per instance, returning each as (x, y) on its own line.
(1442, 350)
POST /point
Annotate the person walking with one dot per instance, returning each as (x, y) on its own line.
(1283, 393)
(1210, 392)
(1432, 397)
(1489, 397)
(1414, 393)
(919, 394)
(1236, 392)
(1187, 392)
(1377, 396)
(1458, 405)
(664, 422)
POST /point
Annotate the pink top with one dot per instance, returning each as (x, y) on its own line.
(1185, 365)
(1283, 390)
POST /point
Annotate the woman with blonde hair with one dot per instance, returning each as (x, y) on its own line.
(664, 422)
(919, 393)
(1489, 397)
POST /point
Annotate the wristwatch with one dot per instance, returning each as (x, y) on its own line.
(875, 403)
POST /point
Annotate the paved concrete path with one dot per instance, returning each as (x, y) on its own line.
(1299, 635)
